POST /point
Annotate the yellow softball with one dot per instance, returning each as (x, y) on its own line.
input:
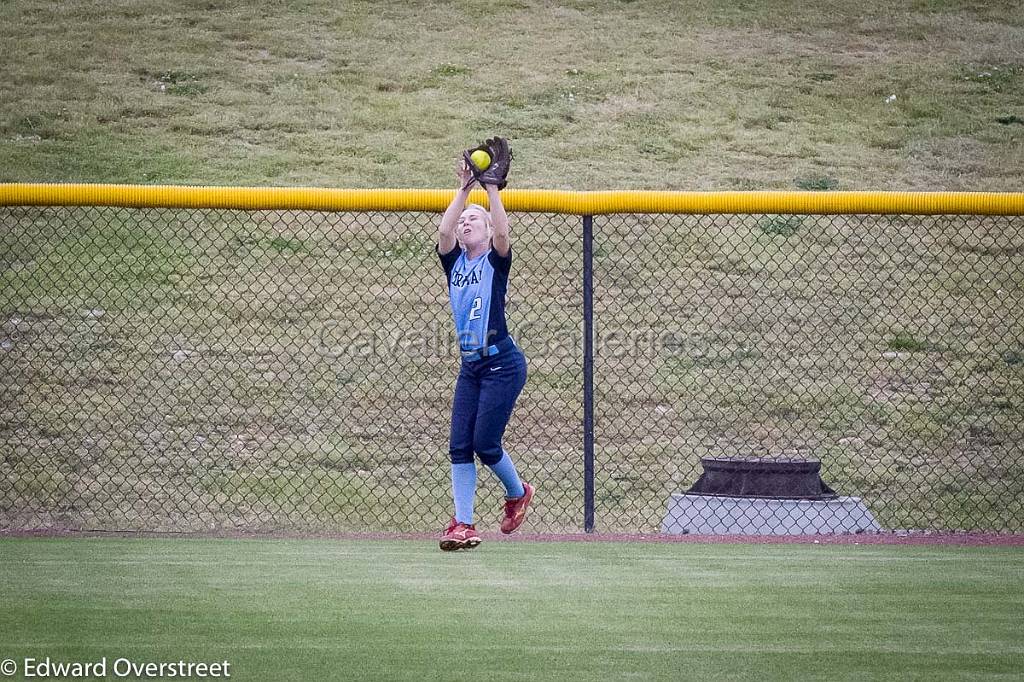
(480, 159)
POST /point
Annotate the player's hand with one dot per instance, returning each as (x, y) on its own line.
(463, 173)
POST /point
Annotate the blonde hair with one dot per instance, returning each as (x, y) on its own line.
(487, 221)
(487, 214)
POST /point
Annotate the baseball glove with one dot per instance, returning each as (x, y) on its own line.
(501, 159)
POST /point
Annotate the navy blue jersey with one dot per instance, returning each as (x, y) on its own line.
(476, 289)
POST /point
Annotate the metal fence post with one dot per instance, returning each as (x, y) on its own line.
(588, 373)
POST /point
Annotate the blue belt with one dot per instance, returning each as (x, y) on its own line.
(480, 353)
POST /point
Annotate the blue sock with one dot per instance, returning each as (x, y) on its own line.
(506, 471)
(463, 490)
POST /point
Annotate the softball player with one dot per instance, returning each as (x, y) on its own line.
(476, 255)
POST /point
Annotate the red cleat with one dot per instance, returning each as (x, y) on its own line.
(515, 510)
(459, 536)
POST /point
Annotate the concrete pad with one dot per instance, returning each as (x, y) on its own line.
(717, 515)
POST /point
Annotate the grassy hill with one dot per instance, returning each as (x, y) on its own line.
(594, 95)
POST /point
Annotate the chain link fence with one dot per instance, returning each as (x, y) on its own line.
(890, 348)
(196, 370)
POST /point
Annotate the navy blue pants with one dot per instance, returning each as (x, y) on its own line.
(485, 393)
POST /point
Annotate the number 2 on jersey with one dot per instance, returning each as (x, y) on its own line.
(474, 312)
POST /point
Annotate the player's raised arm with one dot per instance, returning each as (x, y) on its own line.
(499, 222)
(450, 219)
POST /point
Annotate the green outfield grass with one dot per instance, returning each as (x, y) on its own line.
(402, 610)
